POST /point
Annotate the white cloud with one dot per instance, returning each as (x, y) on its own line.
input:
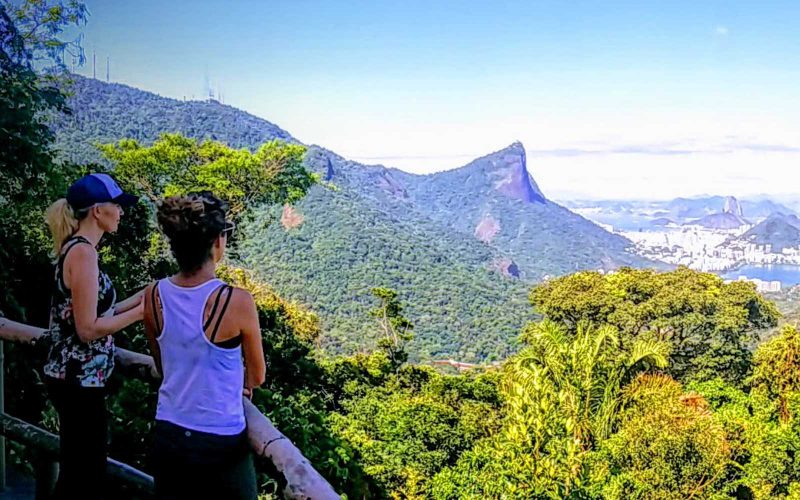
(721, 30)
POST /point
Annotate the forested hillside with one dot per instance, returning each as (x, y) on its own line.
(455, 245)
(107, 112)
(346, 245)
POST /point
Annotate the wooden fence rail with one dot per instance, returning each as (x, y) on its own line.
(47, 442)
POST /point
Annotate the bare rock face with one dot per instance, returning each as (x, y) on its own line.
(732, 206)
(387, 182)
(291, 218)
(328, 169)
(487, 229)
(513, 179)
(506, 267)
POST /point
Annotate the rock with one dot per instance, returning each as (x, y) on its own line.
(487, 229)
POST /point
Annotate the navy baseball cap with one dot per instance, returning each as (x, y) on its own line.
(97, 188)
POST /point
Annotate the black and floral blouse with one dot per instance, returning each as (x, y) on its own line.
(88, 364)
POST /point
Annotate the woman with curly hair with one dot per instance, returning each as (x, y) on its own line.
(199, 329)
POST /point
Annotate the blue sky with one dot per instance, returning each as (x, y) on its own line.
(611, 99)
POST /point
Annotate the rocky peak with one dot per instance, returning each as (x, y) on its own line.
(732, 206)
(511, 176)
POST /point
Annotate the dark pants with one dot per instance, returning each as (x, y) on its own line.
(192, 464)
(83, 424)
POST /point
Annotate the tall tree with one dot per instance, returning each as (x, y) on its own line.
(710, 324)
(777, 369)
(30, 178)
(395, 329)
(175, 164)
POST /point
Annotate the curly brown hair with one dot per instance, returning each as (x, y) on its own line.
(191, 223)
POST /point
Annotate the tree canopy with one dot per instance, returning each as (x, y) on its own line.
(711, 325)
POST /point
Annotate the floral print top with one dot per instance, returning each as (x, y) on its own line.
(88, 364)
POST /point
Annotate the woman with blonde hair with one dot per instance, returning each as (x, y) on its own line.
(206, 342)
(83, 316)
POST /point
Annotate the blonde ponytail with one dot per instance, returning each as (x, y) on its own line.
(62, 222)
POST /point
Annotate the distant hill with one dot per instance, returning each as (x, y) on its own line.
(688, 208)
(661, 221)
(779, 230)
(107, 112)
(462, 247)
(631, 215)
(719, 221)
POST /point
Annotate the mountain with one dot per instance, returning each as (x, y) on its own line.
(731, 217)
(106, 112)
(347, 244)
(661, 222)
(732, 206)
(779, 230)
(632, 215)
(692, 208)
(461, 247)
(496, 199)
(725, 220)
(471, 239)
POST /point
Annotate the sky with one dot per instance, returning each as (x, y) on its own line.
(612, 100)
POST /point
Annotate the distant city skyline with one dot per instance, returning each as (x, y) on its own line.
(612, 100)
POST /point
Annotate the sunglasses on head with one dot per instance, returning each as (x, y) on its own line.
(228, 229)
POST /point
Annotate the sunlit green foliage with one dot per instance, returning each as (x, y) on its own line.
(175, 164)
(413, 423)
(711, 325)
(777, 369)
(562, 395)
(346, 247)
(395, 329)
(764, 450)
(668, 446)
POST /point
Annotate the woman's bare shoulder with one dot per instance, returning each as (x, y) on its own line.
(242, 299)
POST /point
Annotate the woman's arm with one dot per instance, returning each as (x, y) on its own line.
(81, 277)
(151, 330)
(129, 303)
(254, 363)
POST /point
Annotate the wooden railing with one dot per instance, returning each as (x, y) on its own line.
(461, 366)
(303, 481)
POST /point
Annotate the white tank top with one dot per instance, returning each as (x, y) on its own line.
(202, 386)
